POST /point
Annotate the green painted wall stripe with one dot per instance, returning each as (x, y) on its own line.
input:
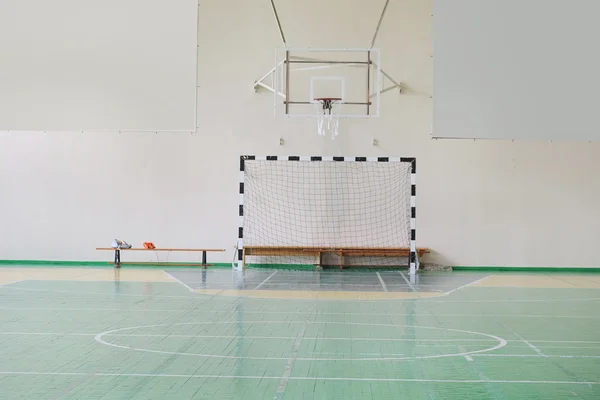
(526, 269)
(60, 263)
(57, 263)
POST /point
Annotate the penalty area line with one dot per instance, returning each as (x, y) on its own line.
(178, 281)
(466, 285)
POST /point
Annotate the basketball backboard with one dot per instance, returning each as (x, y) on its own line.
(302, 75)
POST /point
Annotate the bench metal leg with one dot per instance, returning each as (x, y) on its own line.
(117, 258)
(319, 266)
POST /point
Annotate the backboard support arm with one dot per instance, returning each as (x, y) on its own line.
(279, 22)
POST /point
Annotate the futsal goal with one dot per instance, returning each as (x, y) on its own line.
(327, 211)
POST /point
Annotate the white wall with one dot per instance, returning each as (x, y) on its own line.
(514, 69)
(86, 65)
(479, 202)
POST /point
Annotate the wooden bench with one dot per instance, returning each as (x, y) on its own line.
(118, 255)
(318, 252)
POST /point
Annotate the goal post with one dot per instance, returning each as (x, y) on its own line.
(358, 211)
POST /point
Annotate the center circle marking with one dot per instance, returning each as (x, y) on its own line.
(501, 342)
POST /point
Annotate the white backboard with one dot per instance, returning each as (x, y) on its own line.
(303, 74)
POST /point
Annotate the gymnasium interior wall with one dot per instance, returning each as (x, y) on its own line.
(480, 202)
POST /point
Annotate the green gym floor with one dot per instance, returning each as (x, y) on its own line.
(99, 333)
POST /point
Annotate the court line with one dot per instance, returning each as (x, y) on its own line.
(441, 285)
(426, 300)
(99, 338)
(571, 347)
(322, 338)
(168, 310)
(562, 341)
(534, 348)
(110, 294)
(442, 288)
(407, 282)
(178, 281)
(382, 282)
(468, 357)
(297, 378)
(47, 334)
(465, 341)
(466, 285)
(169, 335)
(364, 354)
(76, 382)
(265, 281)
(287, 372)
(11, 282)
(533, 355)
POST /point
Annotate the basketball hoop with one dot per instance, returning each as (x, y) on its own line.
(328, 122)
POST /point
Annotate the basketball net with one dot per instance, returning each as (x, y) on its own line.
(328, 121)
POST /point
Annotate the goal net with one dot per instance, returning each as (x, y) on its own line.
(361, 210)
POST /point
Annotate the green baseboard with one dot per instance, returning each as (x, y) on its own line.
(525, 269)
(298, 267)
(107, 264)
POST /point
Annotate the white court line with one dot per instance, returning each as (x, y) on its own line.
(110, 294)
(296, 378)
(532, 355)
(178, 281)
(10, 283)
(265, 281)
(371, 339)
(325, 285)
(520, 337)
(169, 335)
(47, 334)
(303, 284)
(468, 357)
(466, 285)
(291, 362)
(427, 300)
(382, 282)
(363, 354)
(320, 338)
(560, 341)
(572, 347)
(534, 348)
(168, 310)
(407, 282)
(99, 338)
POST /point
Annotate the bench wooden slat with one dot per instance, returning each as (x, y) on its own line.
(157, 249)
(324, 249)
(318, 251)
(166, 263)
(117, 251)
(252, 250)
